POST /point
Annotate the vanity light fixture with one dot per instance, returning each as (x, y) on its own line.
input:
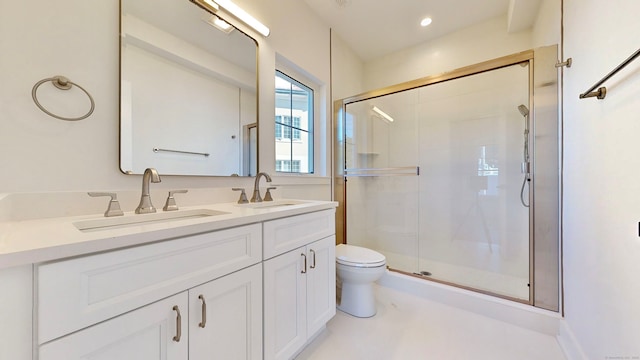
(208, 4)
(425, 22)
(382, 113)
(236, 11)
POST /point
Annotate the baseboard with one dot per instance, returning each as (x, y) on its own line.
(526, 316)
(568, 342)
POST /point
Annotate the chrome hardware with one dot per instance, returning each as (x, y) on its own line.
(204, 312)
(243, 196)
(566, 63)
(602, 91)
(114, 206)
(304, 270)
(155, 150)
(178, 324)
(61, 83)
(374, 172)
(267, 196)
(314, 259)
(145, 207)
(170, 204)
(256, 187)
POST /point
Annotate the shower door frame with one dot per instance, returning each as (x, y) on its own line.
(544, 251)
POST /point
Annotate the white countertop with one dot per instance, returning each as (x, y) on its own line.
(40, 240)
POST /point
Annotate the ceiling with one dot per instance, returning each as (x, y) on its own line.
(374, 28)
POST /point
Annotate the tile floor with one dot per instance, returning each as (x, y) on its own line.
(412, 328)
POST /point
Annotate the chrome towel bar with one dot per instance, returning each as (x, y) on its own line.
(155, 150)
(602, 91)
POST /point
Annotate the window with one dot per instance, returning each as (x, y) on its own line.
(293, 125)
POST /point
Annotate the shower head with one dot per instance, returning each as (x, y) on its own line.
(523, 110)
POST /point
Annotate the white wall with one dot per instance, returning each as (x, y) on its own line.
(41, 154)
(485, 41)
(546, 28)
(347, 69)
(601, 187)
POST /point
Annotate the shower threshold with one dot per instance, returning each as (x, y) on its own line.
(421, 275)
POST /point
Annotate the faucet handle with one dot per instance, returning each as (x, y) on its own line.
(267, 196)
(243, 196)
(170, 204)
(114, 206)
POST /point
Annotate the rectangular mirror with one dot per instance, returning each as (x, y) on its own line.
(188, 91)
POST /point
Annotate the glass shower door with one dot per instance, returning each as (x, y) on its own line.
(474, 188)
(435, 180)
(382, 178)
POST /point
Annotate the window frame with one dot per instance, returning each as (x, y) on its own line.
(294, 135)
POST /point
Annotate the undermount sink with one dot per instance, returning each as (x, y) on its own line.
(273, 204)
(143, 219)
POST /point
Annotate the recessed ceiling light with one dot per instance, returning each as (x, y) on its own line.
(425, 22)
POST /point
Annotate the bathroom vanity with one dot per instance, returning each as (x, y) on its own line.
(224, 281)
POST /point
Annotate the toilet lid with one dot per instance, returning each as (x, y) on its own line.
(351, 255)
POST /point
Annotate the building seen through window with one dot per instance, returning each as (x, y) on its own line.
(293, 126)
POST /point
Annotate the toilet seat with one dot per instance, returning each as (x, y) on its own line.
(350, 255)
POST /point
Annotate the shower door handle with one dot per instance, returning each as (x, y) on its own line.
(377, 172)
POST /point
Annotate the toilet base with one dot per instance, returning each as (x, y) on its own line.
(357, 300)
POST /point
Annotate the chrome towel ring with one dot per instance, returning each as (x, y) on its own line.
(61, 83)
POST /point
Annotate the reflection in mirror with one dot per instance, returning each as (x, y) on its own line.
(188, 100)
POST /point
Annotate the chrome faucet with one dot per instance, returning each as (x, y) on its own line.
(150, 176)
(256, 187)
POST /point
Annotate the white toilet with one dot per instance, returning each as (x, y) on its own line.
(357, 268)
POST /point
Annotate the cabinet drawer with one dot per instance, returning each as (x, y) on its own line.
(76, 293)
(286, 234)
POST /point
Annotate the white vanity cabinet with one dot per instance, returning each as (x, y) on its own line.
(221, 319)
(16, 303)
(299, 283)
(156, 301)
(225, 317)
(148, 333)
(255, 283)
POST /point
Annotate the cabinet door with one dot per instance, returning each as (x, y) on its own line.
(285, 330)
(225, 317)
(149, 333)
(321, 283)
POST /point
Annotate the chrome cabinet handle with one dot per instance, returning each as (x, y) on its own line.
(304, 270)
(314, 259)
(204, 312)
(178, 325)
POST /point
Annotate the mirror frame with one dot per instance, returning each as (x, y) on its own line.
(244, 129)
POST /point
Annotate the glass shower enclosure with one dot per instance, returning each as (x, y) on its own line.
(438, 175)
